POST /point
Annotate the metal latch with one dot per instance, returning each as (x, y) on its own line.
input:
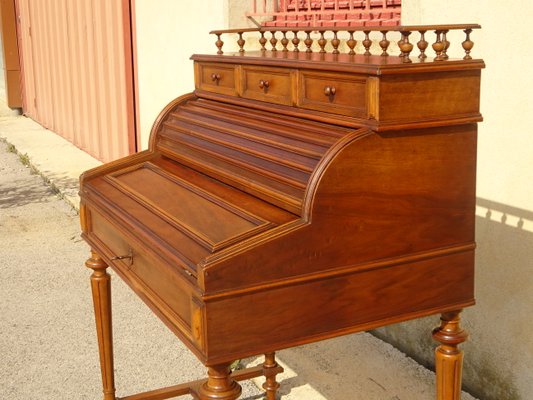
(128, 257)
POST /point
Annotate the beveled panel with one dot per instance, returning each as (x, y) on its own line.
(200, 215)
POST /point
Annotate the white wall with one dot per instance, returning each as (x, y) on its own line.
(505, 142)
(168, 32)
(499, 355)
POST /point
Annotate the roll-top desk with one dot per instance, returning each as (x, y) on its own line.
(297, 195)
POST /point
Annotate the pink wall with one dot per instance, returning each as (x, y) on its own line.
(78, 72)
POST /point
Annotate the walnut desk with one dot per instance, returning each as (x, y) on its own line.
(299, 193)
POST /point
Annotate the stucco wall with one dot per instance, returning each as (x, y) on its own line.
(167, 35)
(499, 354)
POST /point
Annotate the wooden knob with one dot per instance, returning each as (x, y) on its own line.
(330, 91)
(264, 84)
(215, 77)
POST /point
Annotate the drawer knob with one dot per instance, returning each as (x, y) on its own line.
(264, 85)
(215, 77)
(330, 91)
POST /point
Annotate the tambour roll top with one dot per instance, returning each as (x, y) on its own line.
(268, 156)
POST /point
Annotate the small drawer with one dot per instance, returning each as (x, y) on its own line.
(273, 85)
(152, 278)
(218, 78)
(333, 93)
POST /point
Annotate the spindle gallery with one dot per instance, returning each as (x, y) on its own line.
(287, 36)
(316, 186)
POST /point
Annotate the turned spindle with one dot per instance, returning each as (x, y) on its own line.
(270, 370)
(422, 45)
(241, 43)
(446, 45)
(351, 43)
(308, 42)
(284, 42)
(101, 290)
(335, 42)
(399, 43)
(438, 46)
(295, 41)
(220, 385)
(219, 43)
(263, 41)
(367, 43)
(384, 44)
(291, 36)
(273, 40)
(405, 46)
(322, 42)
(448, 356)
(467, 45)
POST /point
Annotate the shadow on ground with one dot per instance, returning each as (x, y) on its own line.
(499, 351)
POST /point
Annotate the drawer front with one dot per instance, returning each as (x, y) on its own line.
(149, 276)
(334, 93)
(218, 78)
(274, 85)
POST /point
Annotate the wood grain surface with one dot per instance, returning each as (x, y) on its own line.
(295, 200)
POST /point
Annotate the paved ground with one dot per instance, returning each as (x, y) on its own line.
(47, 340)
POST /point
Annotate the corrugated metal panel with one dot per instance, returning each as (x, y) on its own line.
(77, 67)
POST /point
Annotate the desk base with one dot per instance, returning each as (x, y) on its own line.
(222, 383)
(193, 387)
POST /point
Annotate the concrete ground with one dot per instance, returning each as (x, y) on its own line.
(48, 344)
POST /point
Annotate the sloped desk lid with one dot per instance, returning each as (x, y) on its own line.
(206, 218)
(179, 212)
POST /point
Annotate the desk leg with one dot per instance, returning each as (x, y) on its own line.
(101, 289)
(448, 356)
(270, 368)
(220, 385)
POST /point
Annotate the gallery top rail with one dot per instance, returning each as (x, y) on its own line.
(279, 40)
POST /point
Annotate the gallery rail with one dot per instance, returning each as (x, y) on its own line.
(329, 39)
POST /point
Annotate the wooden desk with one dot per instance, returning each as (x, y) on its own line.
(298, 196)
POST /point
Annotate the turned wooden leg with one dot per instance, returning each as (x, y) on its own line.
(270, 370)
(101, 289)
(220, 385)
(448, 357)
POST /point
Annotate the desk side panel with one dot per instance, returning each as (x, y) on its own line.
(294, 314)
(439, 98)
(382, 196)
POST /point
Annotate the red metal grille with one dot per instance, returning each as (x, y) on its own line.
(301, 13)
